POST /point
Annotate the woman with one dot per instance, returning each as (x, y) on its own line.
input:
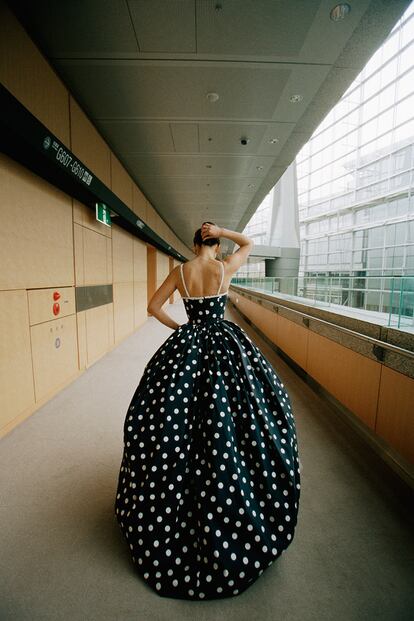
(209, 483)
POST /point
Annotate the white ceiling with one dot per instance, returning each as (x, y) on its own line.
(141, 70)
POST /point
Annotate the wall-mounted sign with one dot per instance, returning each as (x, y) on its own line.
(66, 159)
(102, 214)
(24, 138)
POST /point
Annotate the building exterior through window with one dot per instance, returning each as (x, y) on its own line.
(355, 187)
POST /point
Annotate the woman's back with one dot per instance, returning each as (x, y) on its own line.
(204, 277)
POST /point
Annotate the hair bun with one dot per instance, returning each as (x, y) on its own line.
(198, 239)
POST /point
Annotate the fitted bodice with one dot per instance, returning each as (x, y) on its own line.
(205, 308)
(208, 308)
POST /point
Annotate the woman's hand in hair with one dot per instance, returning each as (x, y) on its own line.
(209, 230)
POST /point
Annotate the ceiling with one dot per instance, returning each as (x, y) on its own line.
(141, 70)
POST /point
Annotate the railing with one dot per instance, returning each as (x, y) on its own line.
(392, 297)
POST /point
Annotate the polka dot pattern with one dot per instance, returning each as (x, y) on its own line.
(209, 483)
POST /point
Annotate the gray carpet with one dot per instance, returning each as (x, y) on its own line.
(62, 555)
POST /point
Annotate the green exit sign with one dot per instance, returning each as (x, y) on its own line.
(102, 214)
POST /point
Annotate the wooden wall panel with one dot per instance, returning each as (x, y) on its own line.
(152, 217)
(162, 268)
(140, 303)
(49, 241)
(140, 260)
(395, 418)
(87, 217)
(82, 340)
(36, 233)
(122, 255)
(55, 354)
(78, 255)
(293, 340)
(98, 332)
(121, 182)
(41, 303)
(29, 77)
(111, 317)
(16, 377)
(350, 377)
(88, 145)
(124, 319)
(140, 282)
(170, 269)
(267, 322)
(151, 271)
(176, 294)
(95, 258)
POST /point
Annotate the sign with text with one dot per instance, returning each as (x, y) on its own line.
(102, 214)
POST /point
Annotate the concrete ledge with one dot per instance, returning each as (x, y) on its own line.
(314, 318)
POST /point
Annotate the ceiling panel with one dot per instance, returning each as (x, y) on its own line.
(141, 69)
(81, 28)
(167, 90)
(164, 26)
(283, 26)
(134, 136)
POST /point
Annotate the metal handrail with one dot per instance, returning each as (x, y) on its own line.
(330, 289)
(364, 337)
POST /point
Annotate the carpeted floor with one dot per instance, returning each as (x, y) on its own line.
(62, 555)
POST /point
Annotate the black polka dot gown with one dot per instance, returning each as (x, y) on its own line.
(209, 484)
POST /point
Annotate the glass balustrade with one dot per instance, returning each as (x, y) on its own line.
(388, 299)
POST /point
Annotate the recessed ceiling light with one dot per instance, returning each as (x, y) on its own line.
(295, 98)
(212, 97)
(259, 167)
(339, 12)
(273, 140)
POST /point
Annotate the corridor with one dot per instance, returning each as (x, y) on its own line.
(62, 554)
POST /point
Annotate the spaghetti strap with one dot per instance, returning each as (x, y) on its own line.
(222, 277)
(182, 278)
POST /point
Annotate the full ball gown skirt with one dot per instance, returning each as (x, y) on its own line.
(209, 484)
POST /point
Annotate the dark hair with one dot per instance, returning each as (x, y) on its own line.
(198, 240)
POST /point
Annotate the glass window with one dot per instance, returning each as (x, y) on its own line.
(376, 237)
(404, 110)
(400, 233)
(371, 107)
(401, 160)
(409, 261)
(378, 212)
(345, 219)
(399, 181)
(374, 258)
(410, 227)
(402, 205)
(404, 85)
(407, 27)
(406, 58)
(390, 235)
(374, 62)
(333, 221)
(359, 239)
(390, 48)
(376, 189)
(372, 172)
(313, 227)
(394, 257)
(404, 132)
(362, 215)
(387, 96)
